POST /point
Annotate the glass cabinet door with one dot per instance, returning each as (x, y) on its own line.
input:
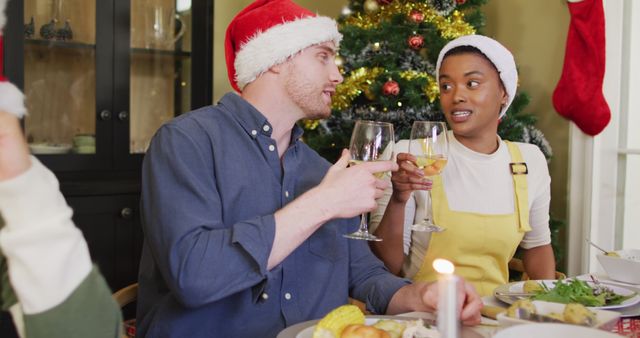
(160, 67)
(60, 76)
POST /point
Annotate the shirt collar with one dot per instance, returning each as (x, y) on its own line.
(251, 119)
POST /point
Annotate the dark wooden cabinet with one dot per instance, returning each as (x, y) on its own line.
(96, 99)
(111, 227)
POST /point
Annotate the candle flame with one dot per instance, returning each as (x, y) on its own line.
(443, 266)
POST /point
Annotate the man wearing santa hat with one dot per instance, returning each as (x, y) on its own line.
(47, 280)
(243, 222)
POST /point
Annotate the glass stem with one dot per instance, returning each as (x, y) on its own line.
(364, 227)
(427, 215)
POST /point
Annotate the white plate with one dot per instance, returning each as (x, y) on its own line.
(605, 320)
(552, 331)
(305, 329)
(517, 287)
(308, 332)
(49, 148)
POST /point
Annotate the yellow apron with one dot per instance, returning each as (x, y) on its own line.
(480, 246)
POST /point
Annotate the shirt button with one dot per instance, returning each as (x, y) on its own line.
(272, 148)
(287, 296)
(265, 296)
(265, 128)
(286, 194)
(254, 132)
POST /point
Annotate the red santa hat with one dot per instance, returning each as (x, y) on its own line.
(267, 33)
(11, 98)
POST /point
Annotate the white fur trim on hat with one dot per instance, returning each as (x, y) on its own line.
(499, 55)
(275, 45)
(11, 99)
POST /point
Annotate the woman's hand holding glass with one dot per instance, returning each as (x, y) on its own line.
(408, 178)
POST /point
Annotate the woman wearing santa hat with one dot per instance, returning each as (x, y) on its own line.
(486, 206)
(47, 280)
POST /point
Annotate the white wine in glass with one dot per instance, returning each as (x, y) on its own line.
(370, 141)
(430, 145)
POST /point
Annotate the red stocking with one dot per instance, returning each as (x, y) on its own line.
(578, 95)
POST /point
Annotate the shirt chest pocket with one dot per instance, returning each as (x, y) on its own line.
(327, 243)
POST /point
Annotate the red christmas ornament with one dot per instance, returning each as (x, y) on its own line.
(416, 16)
(461, 2)
(391, 88)
(385, 2)
(415, 42)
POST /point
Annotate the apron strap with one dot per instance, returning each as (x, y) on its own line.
(519, 173)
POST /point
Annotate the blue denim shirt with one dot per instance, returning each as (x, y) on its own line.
(212, 181)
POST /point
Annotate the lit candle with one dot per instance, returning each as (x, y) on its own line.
(448, 322)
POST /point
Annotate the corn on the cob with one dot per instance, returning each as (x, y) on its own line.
(334, 322)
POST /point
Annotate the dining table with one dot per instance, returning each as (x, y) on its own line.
(628, 325)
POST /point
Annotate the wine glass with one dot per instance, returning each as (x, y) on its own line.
(430, 145)
(370, 141)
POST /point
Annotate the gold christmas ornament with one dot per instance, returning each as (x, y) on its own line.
(339, 61)
(424, 53)
(369, 94)
(371, 6)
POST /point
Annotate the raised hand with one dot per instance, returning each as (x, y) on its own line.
(350, 191)
(408, 178)
(14, 152)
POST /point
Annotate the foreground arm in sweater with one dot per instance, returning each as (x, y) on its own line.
(59, 293)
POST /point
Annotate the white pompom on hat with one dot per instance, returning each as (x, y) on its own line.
(268, 32)
(11, 98)
(498, 54)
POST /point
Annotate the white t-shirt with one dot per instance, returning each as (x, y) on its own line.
(480, 183)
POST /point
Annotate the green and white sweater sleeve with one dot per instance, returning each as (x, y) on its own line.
(60, 293)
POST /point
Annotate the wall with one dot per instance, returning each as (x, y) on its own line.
(537, 45)
(536, 31)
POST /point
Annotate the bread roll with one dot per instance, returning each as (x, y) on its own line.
(363, 331)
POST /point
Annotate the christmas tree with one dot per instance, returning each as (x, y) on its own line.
(388, 56)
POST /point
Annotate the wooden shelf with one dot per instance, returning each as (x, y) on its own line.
(59, 44)
(163, 52)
